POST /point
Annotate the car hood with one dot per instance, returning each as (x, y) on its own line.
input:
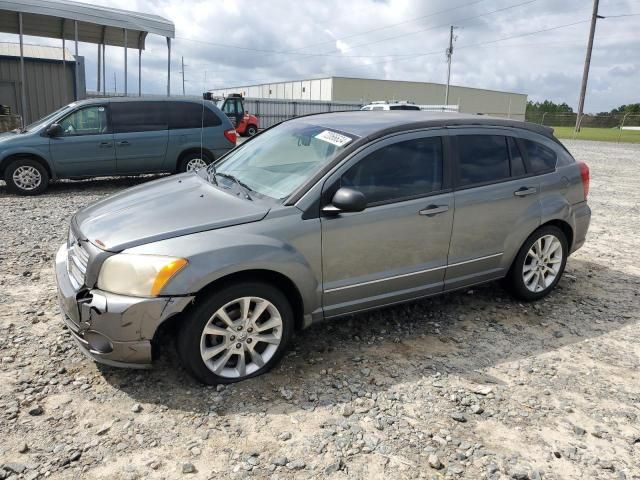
(169, 207)
(6, 137)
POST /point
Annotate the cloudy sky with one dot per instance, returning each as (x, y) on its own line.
(235, 42)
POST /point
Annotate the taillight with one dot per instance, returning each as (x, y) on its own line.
(584, 173)
(231, 135)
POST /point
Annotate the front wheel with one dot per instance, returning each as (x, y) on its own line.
(26, 176)
(237, 333)
(539, 264)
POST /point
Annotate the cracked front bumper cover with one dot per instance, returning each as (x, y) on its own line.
(112, 329)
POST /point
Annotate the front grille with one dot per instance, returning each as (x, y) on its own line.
(77, 258)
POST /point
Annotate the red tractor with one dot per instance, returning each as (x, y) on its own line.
(245, 123)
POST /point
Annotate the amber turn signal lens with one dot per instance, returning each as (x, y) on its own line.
(166, 273)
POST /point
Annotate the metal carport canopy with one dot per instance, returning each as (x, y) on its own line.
(81, 22)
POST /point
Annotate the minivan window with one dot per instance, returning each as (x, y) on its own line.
(482, 159)
(138, 116)
(401, 170)
(85, 121)
(541, 158)
(404, 107)
(189, 115)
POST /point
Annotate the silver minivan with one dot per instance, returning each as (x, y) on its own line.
(114, 136)
(315, 218)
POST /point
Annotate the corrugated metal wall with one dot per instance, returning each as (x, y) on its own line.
(48, 85)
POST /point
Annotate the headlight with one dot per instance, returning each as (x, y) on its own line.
(138, 275)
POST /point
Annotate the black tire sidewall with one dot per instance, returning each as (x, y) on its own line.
(249, 130)
(196, 319)
(515, 280)
(13, 188)
(182, 167)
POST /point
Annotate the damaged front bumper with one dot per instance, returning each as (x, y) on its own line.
(112, 329)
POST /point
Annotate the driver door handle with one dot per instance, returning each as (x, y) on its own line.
(434, 210)
(106, 144)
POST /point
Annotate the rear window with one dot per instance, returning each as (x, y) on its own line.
(404, 107)
(190, 115)
(138, 116)
(482, 159)
(541, 158)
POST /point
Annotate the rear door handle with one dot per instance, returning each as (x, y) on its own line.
(106, 144)
(434, 210)
(124, 143)
(524, 191)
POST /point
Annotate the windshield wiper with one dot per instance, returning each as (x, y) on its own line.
(246, 189)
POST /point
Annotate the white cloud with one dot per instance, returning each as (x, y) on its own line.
(545, 65)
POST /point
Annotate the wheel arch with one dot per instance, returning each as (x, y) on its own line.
(197, 150)
(6, 161)
(566, 228)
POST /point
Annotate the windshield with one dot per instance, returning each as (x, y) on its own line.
(282, 158)
(44, 120)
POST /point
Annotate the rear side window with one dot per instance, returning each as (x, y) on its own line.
(401, 170)
(517, 162)
(482, 159)
(541, 158)
(138, 116)
(190, 115)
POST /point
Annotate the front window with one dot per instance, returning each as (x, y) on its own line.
(86, 121)
(281, 159)
(45, 120)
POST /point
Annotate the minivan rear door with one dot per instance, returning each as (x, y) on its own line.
(497, 205)
(140, 134)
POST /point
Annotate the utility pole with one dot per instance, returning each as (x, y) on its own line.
(449, 53)
(182, 72)
(115, 83)
(587, 64)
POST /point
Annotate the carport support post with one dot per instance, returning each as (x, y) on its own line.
(104, 69)
(23, 94)
(168, 66)
(99, 67)
(77, 82)
(125, 62)
(140, 64)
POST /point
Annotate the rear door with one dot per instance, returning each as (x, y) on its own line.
(85, 147)
(396, 249)
(140, 134)
(497, 205)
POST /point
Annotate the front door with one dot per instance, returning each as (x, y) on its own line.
(396, 249)
(141, 134)
(497, 206)
(85, 147)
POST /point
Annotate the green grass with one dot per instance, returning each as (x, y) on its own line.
(599, 134)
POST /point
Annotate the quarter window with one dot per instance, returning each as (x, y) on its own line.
(86, 121)
(398, 171)
(138, 116)
(541, 158)
(482, 159)
(517, 163)
(189, 115)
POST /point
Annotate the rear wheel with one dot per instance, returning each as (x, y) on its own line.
(26, 176)
(251, 130)
(539, 264)
(193, 161)
(237, 333)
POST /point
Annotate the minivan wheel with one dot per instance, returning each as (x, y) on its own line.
(237, 333)
(26, 176)
(539, 264)
(251, 130)
(193, 161)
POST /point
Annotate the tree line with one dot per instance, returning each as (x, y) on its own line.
(548, 106)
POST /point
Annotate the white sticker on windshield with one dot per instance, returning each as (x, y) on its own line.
(334, 138)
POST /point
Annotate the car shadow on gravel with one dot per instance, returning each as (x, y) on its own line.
(459, 334)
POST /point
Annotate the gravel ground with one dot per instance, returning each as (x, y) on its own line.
(471, 384)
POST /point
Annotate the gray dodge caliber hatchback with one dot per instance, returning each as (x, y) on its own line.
(114, 136)
(318, 217)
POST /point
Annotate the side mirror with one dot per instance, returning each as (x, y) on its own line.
(54, 130)
(346, 200)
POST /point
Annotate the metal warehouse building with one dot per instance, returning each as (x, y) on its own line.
(50, 79)
(363, 90)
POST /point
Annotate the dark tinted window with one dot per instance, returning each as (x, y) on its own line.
(541, 158)
(138, 116)
(189, 115)
(483, 158)
(517, 163)
(404, 107)
(401, 170)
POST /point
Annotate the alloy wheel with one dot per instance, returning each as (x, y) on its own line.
(241, 337)
(27, 177)
(542, 263)
(195, 164)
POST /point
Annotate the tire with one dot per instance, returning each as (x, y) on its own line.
(190, 159)
(234, 342)
(26, 176)
(524, 278)
(251, 130)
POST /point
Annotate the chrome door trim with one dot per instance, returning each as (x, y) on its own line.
(487, 257)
